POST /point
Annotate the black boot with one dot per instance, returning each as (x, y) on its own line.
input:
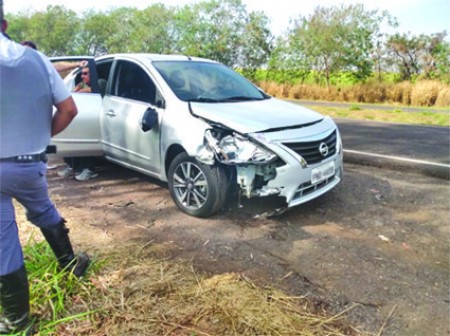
(57, 237)
(15, 302)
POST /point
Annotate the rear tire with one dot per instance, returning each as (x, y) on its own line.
(197, 189)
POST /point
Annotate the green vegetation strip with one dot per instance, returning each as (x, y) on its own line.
(396, 115)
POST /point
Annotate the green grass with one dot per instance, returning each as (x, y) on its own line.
(395, 115)
(355, 107)
(56, 296)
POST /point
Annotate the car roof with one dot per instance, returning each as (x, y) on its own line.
(155, 57)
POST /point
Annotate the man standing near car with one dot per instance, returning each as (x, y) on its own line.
(29, 88)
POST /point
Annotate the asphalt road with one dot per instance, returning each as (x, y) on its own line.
(417, 148)
(424, 149)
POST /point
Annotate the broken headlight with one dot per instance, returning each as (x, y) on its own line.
(236, 149)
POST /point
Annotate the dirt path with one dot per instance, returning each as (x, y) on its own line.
(378, 243)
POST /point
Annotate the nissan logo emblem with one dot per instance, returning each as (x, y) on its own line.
(323, 149)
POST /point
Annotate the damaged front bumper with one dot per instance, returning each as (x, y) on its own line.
(296, 164)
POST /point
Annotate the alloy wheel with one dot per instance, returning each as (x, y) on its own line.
(190, 185)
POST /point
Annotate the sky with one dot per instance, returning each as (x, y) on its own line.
(414, 16)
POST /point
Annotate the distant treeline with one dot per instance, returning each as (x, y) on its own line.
(332, 41)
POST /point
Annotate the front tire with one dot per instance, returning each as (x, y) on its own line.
(197, 189)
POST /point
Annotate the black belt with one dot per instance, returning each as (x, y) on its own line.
(26, 158)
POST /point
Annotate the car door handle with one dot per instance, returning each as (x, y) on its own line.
(111, 113)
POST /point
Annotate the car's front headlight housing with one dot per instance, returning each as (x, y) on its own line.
(338, 143)
(234, 149)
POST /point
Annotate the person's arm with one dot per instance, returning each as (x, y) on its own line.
(66, 110)
(64, 66)
(82, 87)
(77, 88)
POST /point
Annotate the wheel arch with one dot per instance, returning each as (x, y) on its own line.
(171, 153)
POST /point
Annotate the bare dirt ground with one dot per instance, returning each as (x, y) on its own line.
(378, 243)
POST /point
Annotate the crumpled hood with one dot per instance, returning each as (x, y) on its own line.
(256, 116)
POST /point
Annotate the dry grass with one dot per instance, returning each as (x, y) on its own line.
(400, 93)
(277, 90)
(365, 93)
(316, 92)
(129, 292)
(423, 93)
(443, 97)
(144, 296)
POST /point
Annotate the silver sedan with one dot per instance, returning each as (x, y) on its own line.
(202, 128)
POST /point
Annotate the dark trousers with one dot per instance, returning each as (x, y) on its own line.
(26, 183)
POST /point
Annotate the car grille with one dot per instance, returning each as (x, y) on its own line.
(310, 150)
(307, 188)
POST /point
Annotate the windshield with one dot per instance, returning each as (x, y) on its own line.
(207, 82)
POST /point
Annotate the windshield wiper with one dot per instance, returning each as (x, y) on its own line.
(224, 100)
(240, 98)
(205, 100)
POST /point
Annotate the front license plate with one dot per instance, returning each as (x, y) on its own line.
(323, 172)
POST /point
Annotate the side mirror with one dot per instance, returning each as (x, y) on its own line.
(149, 119)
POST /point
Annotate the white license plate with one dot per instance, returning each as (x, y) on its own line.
(323, 172)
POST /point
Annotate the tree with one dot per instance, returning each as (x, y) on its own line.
(256, 44)
(288, 63)
(124, 22)
(423, 55)
(152, 29)
(19, 27)
(217, 29)
(223, 31)
(55, 31)
(440, 58)
(97, 27)
(337, 39)
(184, 31)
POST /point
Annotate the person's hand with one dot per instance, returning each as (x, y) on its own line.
(82, 64)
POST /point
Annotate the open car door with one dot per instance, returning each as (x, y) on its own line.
(82, 137)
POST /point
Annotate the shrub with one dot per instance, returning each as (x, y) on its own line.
(271, 88)
(355, 107)
(375, 93)
(425, 93)
(399, 93)
(443, 98)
